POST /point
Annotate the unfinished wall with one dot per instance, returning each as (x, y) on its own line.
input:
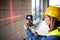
(12, 18)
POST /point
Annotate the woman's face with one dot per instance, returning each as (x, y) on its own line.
(47, 20)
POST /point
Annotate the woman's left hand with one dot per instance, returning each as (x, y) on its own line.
(26, 26)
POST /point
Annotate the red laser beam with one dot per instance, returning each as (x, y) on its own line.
(11, 12)
(4, 19)
(19, 16)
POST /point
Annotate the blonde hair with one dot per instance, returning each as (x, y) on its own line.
(54, 23)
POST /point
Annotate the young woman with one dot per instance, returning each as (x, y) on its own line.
(52, 18)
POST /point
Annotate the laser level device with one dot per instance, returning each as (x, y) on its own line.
(30, 19)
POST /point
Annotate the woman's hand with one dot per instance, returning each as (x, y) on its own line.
(26, 26)
(35, 33)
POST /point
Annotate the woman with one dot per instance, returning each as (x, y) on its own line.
(52, 18)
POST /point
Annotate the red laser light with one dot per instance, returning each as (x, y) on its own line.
(18, 16)
(11, 13)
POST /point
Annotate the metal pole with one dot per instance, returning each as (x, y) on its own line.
(35, 10)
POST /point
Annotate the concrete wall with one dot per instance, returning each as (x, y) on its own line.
(11, 26)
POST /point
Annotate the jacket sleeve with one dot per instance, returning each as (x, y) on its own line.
(39, 37)
(30, 34)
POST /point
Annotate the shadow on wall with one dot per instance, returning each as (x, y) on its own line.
(3, 3)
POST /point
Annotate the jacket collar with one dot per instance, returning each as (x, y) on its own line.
(55, 32)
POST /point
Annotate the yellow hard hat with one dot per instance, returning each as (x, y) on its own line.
(53, 12)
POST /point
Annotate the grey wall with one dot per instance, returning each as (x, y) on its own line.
(15, 32)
